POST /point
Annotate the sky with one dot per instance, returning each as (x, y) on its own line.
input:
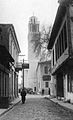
(18, 12)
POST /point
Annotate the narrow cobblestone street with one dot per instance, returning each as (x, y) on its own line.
(38, 108)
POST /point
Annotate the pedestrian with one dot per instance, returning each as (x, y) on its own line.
(49, 91)
(23, 95)
(42, 91)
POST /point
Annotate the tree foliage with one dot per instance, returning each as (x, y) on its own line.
(65, 2)
(40, 42)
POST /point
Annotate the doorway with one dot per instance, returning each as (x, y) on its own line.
(60, 85)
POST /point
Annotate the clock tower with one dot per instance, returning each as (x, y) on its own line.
(33, 33)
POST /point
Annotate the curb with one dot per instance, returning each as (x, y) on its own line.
(9, 108)
(64, 107)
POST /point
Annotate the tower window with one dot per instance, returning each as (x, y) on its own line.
(34, 28)
(34, 20)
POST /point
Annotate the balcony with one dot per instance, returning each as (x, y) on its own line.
(62, 59)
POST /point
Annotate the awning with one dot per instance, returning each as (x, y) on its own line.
(4, 54)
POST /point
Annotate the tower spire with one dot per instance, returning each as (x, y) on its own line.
(33, 13)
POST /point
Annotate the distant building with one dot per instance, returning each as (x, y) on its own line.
(43, 73)
(9, 51)
(33, 33)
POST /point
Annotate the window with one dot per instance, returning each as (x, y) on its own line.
(56, 51)
(34, 28)
(65, 36)
(0, 83)
(0, 30)
(60, 44)
(46, 69)
(62, 39)
(53, 57)
(37, 27)
(58, 47)
(46, 84)
(30, 28)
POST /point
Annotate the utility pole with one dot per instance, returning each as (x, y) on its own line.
(23, 70)
(24, 66)
(23, 74)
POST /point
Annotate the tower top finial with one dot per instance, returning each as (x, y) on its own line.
(33, 13)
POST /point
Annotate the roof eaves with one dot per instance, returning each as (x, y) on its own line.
(57, 23)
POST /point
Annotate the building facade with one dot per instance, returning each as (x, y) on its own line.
(61, 43)
(9, 57)
(44, 77)
(33, 33)
(14, 50)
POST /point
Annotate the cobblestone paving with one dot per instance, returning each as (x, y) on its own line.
(37, 108)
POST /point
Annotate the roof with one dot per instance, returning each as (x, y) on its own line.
(7, 27)
(16, 42)
(57, 23)
(4, 53)
(43, 62)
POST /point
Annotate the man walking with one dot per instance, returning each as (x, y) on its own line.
(23, 95)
